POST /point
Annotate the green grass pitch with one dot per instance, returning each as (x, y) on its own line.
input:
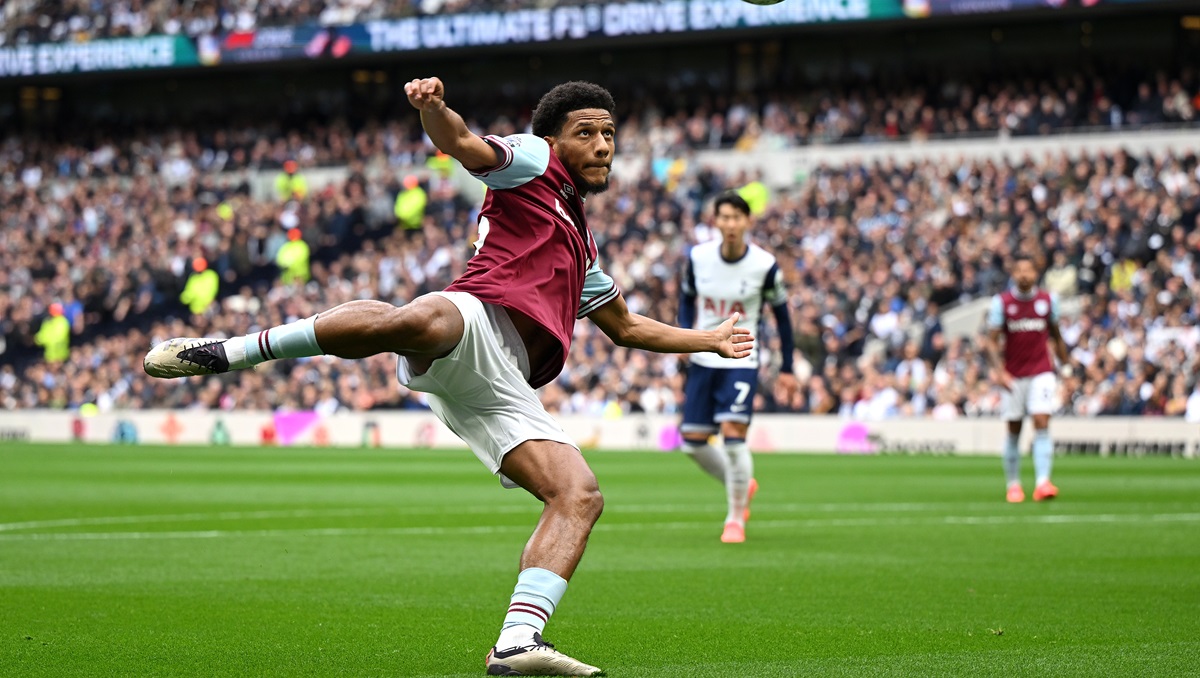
(299, 562)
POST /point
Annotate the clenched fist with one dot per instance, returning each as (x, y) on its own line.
(425, 94)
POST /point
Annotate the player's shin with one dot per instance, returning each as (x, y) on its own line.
(1012, 459)
(737, 479)
(1043, 455)
(709, 457)
(293, 340)
(533, 601)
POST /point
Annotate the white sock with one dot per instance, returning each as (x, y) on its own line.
(537, 593)
(1012, 459)
(517, 635)
(737, 479)
(1043, 455)
(710, 458)
(294, 340)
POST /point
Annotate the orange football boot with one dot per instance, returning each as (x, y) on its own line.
(1045, 491)
(1015, 494)
(733, 534)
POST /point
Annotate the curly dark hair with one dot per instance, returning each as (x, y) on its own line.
(552, 111)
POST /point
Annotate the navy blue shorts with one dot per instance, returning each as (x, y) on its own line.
(713, 395)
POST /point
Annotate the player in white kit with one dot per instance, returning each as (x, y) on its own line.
(723, 277)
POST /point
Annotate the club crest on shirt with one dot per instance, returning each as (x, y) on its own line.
(1012, 309)
(1040, 307)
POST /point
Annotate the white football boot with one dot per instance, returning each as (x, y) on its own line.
(537, 659)
(186, 358)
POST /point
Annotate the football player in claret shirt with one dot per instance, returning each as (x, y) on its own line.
(724, 276)
(503, 329)
(1026, 318)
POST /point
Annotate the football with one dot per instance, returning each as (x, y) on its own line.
(763, 2)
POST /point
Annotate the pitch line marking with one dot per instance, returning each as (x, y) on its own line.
(462, 510)
(190, 517)
(531, 509)
(619, 527)
(792, 508)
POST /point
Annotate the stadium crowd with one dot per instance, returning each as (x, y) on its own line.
(37, 21)
(869, 112)
(872, 254)
(695, 119)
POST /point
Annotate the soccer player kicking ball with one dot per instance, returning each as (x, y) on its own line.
(1027, 318)
(723, 277)
(481, 347)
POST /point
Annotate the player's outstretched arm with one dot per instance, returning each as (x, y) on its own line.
(991, 348)
(446, 128)
(1060, 347)
(991, 342)
(638, 331)
(787, 347)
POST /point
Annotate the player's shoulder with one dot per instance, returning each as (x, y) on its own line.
(521, 158)
(760, 257)
(528, 142)
(997, 306)
(705, 252)
(1045, 303)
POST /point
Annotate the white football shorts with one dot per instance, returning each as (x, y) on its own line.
(1031, 395)
(479, 391)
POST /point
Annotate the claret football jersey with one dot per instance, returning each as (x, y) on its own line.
(535, 254)
(1025, 322)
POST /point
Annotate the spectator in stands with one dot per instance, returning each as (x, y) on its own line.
(202, 287)
(946, 408)
(1177, 403)
(293, 259)
(410, 204)
(290, 184)
(1061, 278)
(1192, 411)
(1147, 108)
(858, 244)
(54, 336)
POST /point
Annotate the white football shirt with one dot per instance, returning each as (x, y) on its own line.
(723, 287)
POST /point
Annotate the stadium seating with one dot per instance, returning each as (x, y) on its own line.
(30, 21)
(868, 249)
(778, 118)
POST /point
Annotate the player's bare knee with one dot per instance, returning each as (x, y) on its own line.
(581, 499)
(734, 429)
(590, 504)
